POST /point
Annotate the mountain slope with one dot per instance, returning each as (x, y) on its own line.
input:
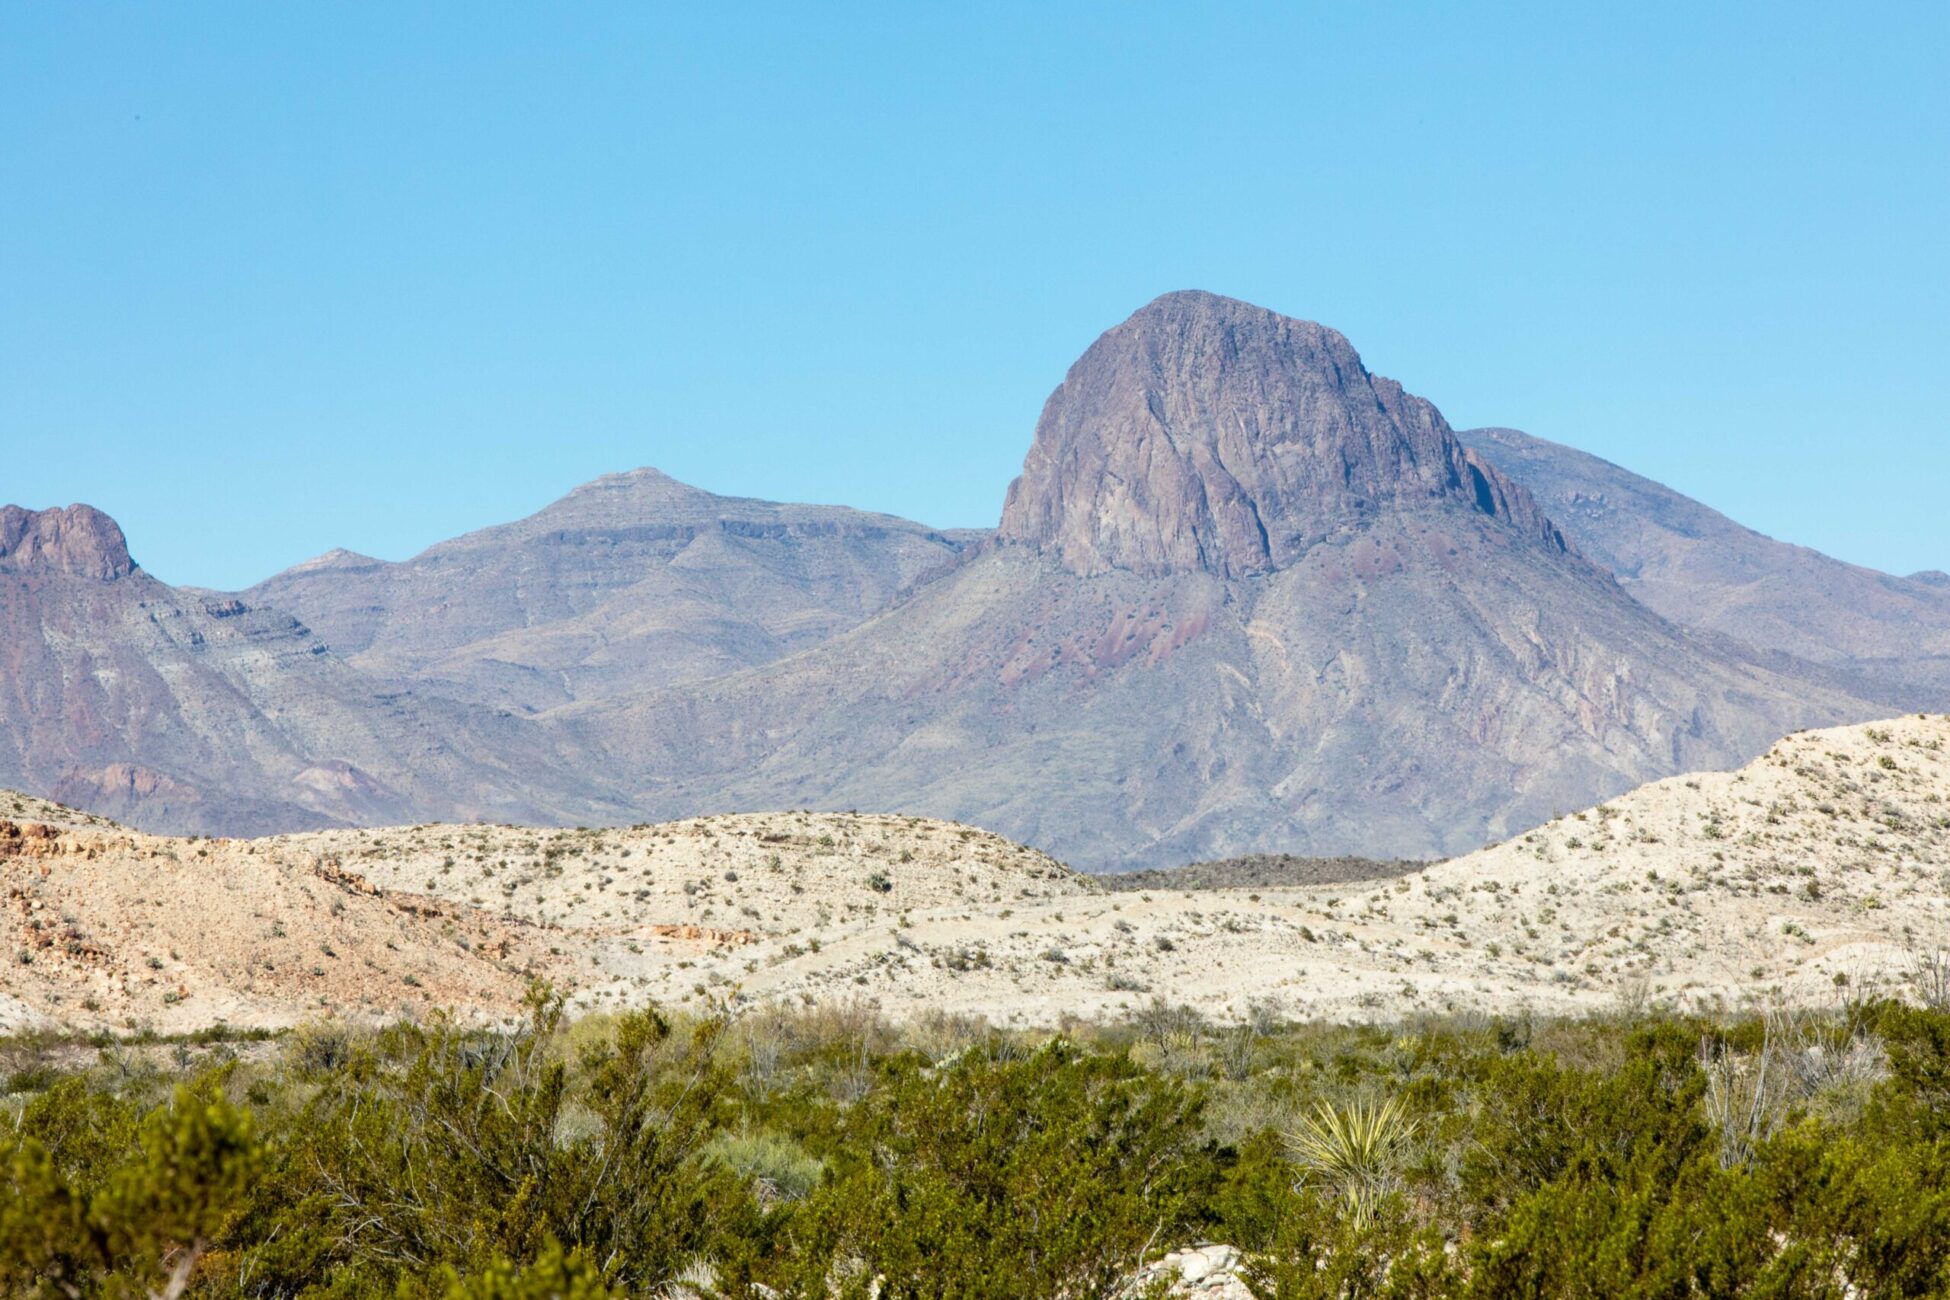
(123, 695)
(1700, 568)
(1245, 596)
(630, 582)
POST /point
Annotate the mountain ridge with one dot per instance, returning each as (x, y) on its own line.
(1245, 597)
(1878, 633)
(629, 581)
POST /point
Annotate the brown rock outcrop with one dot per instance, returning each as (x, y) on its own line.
(80, 540)
(1208, 434)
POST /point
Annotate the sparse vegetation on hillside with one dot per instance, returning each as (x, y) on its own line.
(1819, 866)
(828, 1153)
(1261, 870)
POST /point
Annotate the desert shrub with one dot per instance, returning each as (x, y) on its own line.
(1320, 1252)
(1045, 1175)
(553, 1275)
(444, 1148)
(777, 1167)
(1538, 1121)
(138, 1224)
(823, 1153)
(1916, 1097)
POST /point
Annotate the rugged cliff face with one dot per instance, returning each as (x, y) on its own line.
(79, 541)
(1208, 434)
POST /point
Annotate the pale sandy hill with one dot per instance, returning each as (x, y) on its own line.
(691, 909)
(1823, 864)
(1826, 860)
(108, 928)
(104, 928)
(27, 808)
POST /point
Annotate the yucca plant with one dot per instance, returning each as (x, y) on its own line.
(1355, 1150)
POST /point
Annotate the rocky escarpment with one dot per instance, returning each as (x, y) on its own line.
(1208, 434)
(79, 541)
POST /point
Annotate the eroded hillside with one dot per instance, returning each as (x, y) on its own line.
(1825, 864)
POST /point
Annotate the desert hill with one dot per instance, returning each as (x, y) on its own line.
(1888, 635)
(1824, 863)
(109, 928)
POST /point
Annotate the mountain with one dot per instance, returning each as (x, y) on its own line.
(630, 582)
(123, 695)
(1245, 596)
(1886, 636)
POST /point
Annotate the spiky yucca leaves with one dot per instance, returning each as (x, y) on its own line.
(1355, 1149)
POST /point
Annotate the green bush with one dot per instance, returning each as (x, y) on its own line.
(1044, 1175)
(827, 1154)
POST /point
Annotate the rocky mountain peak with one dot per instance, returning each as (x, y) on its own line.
(1205, 433)
(79, 540)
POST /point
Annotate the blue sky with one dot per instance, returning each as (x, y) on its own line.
(277, 278)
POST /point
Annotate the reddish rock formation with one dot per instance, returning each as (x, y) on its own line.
(1207, 434)
(80, 540)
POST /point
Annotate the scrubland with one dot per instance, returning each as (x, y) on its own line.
(830, 1152)
(1693, 1041)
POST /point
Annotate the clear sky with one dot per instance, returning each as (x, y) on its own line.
(278, 278)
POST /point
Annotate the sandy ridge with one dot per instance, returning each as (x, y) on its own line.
(1823, 865)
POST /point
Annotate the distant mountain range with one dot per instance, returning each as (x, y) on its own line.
(629, 583)
(1244, 597)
